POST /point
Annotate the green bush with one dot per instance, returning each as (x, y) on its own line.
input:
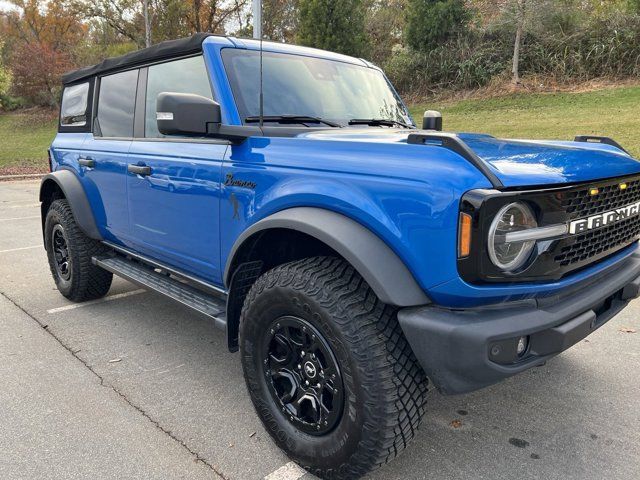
(9, 103)
(432, 22)
(602, 47)
(469, 61)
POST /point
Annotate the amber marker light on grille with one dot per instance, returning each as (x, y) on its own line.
(594, 191)
(464, 240)
(623, 186)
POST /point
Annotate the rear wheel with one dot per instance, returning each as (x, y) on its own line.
(69, 252)
(328, 368)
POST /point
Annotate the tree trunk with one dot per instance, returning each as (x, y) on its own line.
(520, 5)
(147, 23)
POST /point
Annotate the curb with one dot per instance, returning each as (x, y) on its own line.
(26, 175)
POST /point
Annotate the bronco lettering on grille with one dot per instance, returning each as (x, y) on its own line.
(602, 219)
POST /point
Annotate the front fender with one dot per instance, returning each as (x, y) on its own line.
(382, 269)
(68, 183)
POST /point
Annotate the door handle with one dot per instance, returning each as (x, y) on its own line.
(142, 170)
(87, 162)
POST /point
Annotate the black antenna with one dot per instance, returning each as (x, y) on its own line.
(261, 84)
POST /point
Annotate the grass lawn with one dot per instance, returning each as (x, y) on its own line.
(24, 139)
(612, 113)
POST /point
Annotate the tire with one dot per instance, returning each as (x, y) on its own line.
(384, 388)
(79, 280)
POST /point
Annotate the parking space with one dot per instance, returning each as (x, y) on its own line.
(172, 379)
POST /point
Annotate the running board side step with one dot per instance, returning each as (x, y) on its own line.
(145, 277)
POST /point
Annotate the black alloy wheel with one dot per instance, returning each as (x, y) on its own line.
(62, 259)
(303, 375)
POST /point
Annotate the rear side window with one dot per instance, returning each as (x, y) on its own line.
(116, 104)
(75, 101)
(188, 75)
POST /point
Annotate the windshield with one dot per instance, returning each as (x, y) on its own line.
(312, 87)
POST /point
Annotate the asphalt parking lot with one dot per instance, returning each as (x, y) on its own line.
(135, 386)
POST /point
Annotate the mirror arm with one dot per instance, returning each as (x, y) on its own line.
(236, 134)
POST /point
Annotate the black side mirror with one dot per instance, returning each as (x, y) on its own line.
(432, 120)
(186, 114)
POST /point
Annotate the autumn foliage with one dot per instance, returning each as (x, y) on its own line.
(37, 68)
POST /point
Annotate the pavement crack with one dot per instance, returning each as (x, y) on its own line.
(197, 457)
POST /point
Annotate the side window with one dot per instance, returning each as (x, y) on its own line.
(116, 104)
(73, 111)
(188, 75)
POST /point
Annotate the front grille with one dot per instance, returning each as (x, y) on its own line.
(579, 203)
(596, 242)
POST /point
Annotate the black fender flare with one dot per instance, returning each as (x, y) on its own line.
(72, 189)
(372, 258)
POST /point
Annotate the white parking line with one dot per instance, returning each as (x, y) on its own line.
(24, 205)
(18, 218)
(93, 302)
(21, 248)
(290, 471)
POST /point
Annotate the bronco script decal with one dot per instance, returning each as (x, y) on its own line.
(603, 219)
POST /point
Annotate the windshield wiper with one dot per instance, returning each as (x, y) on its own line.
(291, 119)
(376, 122)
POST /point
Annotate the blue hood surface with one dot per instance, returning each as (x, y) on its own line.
(516, 163)
(531, 162)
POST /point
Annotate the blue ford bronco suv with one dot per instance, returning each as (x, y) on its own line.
(285, 193)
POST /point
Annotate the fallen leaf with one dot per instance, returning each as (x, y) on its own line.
(115, 360)
(456, 423)
(627, 330)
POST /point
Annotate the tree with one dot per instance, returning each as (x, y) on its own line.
(336, 25)
(520, 18)
(56, 24)
(37, 69)
(432, 22)
(124, 17)
(212, 15)
(280, 20)
(385, 21)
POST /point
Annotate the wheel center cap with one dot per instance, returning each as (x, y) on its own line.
(310, 369)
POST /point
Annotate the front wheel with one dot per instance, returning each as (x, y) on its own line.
(328, 368)
(69, 252)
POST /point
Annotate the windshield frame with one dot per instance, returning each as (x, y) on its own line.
(242, 110)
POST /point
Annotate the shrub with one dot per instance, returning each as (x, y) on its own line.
(607, 46)
(432, 22)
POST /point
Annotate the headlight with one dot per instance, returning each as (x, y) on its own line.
(509, 256)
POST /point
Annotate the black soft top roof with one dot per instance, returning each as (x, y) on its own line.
(160, 51)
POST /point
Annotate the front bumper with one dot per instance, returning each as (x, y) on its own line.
(464, 350)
